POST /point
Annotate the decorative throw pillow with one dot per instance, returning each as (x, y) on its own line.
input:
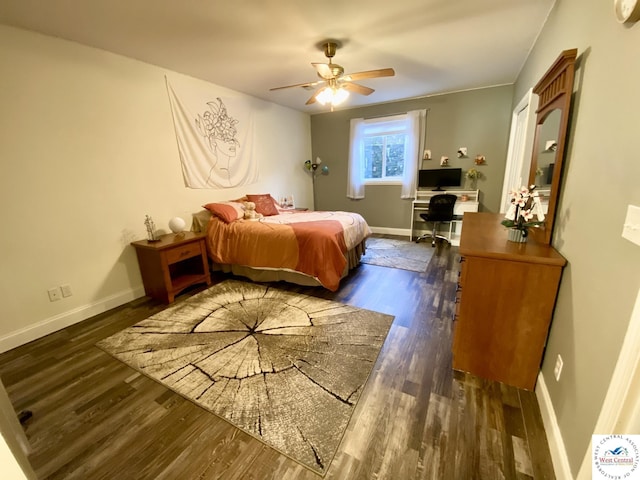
(226, 211)
(265, 204)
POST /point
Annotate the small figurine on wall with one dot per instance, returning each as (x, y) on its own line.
(426, 155)
(480, 160)
(444, 161)
(462, 152)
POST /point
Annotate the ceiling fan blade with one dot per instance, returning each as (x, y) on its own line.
(356, 88)
(313, 98)
(308, 84)
(323, 69)
(383, 72)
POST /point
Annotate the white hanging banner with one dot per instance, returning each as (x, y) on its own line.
(214, 135)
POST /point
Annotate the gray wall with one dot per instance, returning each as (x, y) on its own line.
(477, 119)
(601, 282)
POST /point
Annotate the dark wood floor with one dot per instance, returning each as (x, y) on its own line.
(95, 418)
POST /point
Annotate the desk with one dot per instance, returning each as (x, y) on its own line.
(420, 205)
(504, 302)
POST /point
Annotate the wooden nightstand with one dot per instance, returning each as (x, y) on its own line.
(172, 264)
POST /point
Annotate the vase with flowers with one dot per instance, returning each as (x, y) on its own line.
(525, 206)
(472, 175)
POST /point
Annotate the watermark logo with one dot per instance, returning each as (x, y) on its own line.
(615, 457)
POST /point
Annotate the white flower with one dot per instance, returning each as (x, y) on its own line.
(527, 215)
(525, 205)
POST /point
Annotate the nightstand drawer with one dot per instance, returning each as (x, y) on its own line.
(185, 251)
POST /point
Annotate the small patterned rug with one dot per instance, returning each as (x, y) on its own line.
(393, 253)
(284, 367)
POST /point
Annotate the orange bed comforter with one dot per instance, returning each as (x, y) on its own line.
(313, 243)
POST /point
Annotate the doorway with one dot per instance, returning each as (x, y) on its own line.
(521, 136)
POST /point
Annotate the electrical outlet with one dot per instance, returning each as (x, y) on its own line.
(54, 294)
(557, 370)
(66, 290)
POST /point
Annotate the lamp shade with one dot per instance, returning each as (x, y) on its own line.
(176, 224)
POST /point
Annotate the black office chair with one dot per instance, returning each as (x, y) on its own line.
(440, 210)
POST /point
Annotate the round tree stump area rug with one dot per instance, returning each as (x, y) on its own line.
(284, 367)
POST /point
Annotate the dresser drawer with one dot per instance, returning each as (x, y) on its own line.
(459, 287)
(183, 252)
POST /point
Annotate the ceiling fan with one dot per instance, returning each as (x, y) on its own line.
(334, 86)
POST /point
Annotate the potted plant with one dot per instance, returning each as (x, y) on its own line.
(525, 206)
(472, 175)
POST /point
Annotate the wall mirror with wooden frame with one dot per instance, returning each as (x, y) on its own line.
(552, 117)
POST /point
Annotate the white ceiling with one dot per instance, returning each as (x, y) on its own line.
(435, 46)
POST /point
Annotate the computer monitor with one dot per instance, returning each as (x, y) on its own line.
(550, 174)
(437, 178)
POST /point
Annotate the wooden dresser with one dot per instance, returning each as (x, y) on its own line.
(505, 300)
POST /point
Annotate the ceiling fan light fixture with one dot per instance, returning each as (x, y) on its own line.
(337, 85)
(332, 95)
(339, 96)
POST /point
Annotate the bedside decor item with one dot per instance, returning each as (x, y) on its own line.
(176, 225)
(152, 236)
(462, 152)
(627, 10)
(444, 161)
(286, 368)
(480, 160)
(286, 201)
(520, 216)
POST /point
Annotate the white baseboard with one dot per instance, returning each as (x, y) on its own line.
(404, 232)
(552, 429)
(65, 319)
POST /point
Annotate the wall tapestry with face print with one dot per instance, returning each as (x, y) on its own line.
(214, 134)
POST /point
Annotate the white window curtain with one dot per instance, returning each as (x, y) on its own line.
(355, 183)
(415, 123)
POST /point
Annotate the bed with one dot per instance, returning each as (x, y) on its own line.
(302, 247)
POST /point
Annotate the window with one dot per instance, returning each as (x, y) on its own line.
(385, 150)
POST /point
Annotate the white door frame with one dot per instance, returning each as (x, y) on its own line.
(620, 413)
(523, 123)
